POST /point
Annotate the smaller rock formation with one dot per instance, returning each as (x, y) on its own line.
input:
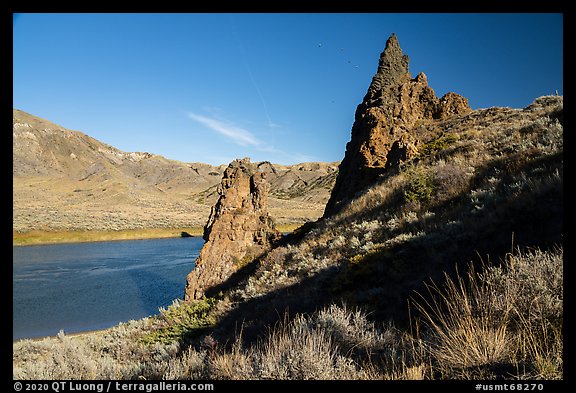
(238, 230)
(383, 132)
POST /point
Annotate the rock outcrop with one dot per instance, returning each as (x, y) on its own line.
(383, 132)
(238, 230)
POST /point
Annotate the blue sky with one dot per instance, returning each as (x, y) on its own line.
(277, 87)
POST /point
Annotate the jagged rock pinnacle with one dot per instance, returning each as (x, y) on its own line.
(238, 230)
(392, 67)
(382, 134)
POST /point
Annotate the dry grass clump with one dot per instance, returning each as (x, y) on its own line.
(503, 322)
(295, 350)
(465, 331)
(533, 282)
(318, 346)
(532, 286)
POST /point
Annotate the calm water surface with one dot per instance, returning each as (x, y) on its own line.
(85, 286)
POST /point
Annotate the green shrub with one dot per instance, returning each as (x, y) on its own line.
(437, 145)
(419, 187)
(181, 320)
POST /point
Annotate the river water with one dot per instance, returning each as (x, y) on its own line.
(87, 286)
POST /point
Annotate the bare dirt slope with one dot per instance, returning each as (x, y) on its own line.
(66, 180)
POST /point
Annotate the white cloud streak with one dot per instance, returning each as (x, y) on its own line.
(238, 135)
(246, 139)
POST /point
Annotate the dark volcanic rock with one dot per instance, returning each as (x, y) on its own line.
(382, 134)
(238, 230)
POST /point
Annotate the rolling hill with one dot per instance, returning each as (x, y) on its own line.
(64, 180)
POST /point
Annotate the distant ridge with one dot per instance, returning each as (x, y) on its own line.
(67, 180)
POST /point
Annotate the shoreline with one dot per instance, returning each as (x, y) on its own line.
(73, 334)
(33, 238)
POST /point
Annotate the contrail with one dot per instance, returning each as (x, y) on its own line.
(259, 92)
(253, 80)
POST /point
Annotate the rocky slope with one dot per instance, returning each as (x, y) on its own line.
(66, 180)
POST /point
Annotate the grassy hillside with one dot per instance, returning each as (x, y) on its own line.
(66, 181)
(449, 267)
(490, 325)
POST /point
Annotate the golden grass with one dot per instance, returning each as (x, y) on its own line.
(467, 331)
(50, 237)
(503, 322)
(285, 228)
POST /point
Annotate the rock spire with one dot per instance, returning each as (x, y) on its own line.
(238, 230)
(383, 133)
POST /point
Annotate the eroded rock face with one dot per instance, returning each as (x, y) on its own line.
(238, 230)
(382, 134)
